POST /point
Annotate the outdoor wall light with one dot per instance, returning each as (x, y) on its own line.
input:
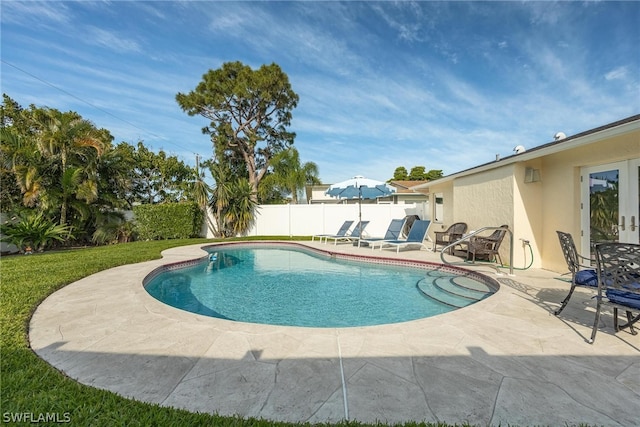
(531, 175)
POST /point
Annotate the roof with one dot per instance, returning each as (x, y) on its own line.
(619, 127)
(405, 187)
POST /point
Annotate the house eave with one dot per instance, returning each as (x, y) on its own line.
(618, 128)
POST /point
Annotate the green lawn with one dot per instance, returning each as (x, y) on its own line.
(31, 387)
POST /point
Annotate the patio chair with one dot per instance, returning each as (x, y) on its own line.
(581, 274)
(355, 234)
(392, 233)
(450, 235)
(618, 267)
(416, 236)
(341, 232)
(486, 246)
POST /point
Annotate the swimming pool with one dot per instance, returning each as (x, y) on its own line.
(296, 286)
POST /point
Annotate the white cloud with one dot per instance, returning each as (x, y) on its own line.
(34, 12)
(381, 84)
(619, 73)
(546, 13)
(406, 19)
(111, 40)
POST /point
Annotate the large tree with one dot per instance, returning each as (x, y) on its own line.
(418, 173)
(159, 178)
(434, 174)
(400, 174)
(249, 112)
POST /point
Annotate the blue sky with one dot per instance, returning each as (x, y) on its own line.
(445, 85)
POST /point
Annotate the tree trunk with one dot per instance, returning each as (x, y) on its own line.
(63, 207)
(254, 180)
(63, 213)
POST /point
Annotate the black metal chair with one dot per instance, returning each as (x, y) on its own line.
(450, 235)
(618, 266)
(581, 274)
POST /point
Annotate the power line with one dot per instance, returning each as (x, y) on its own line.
(95, 106)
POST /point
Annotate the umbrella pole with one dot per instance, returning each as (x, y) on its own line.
(360, 211)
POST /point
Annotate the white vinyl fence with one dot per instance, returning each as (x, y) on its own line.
(4, 246)
(307, 220)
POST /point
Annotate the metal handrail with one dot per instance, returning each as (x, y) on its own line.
(468, 236)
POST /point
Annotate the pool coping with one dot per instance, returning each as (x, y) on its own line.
(506, 359)
(489, 282)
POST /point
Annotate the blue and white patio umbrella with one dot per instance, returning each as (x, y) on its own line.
(360, 188)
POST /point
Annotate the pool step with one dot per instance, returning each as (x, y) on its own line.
(453, 291)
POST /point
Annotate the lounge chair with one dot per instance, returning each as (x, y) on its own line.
(416, 236)
(581, 274)
(618, 268)
(341, 232)
(355, 234)
(486, 246)
(450, 235)
(392, 233)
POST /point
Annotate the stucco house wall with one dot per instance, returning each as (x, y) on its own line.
(560, 198)
(535, 193)
(492, 198)
(485, 199)
(527, 216)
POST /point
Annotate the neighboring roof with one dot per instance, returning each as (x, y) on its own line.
(619, 127)
(405, 187)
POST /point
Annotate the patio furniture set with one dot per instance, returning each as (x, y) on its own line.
(475, 247)
(616, 278)
(416, 236)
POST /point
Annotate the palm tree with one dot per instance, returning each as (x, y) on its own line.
(240, 213)
(63, 166)
(22, 161)
(289, 174)
(116, 175)
(232, 201)
(200, 191)
(72, 147)
(220, 195)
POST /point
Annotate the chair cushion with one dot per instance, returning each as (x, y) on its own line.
(629, 299)
(587, 278)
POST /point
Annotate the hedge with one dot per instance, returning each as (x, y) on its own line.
(168, 221)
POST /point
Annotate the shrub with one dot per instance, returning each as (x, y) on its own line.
(168, 221)
(34, 231)
(112, 227)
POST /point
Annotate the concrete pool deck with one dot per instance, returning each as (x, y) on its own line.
(505, 360)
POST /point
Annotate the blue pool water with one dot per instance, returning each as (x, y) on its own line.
(283, 286)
